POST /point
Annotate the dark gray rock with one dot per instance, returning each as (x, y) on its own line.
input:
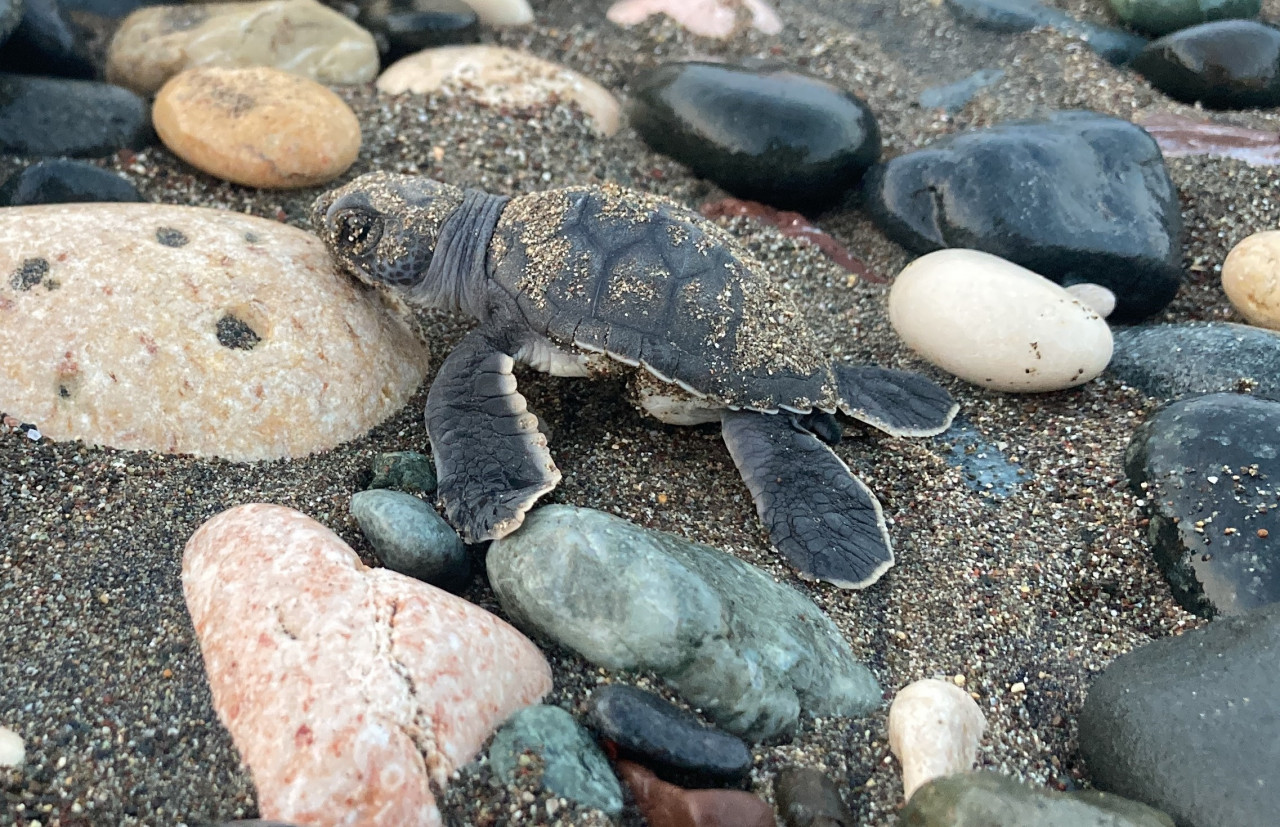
(405, 471)
(1231, 64)
(408, 536)
(988, 799)
(808, 798)
(65, 182)
(1161, 17)
(53, 117)
(1169, 361)
(401, 27)
(49, 42)
(1191, 724)
(10, 17)
(573, 766)
(1209, 470)
(954, 96)
(1114, 45)
(1075, 197)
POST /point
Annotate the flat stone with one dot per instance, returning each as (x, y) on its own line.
(1046, 194)
(259, 127)
(408, 536)
(573, 766)
(56, 117)
(1169, 361)
(214, 333)
(300, 36)
(666, 805)
(1251, 278)
(59, 181)
(772, 135)
(809, 798)
(405, 471)
(1231, 64)
(750, 652)
(12, 751)
(402, 27)
(1112, 44)
(1179, 136)
(995, 324)
(705, 18)
(1160, 17)
(349, 692)
(988, 799)
(1208, 468)
(935, 730)
(501, 77)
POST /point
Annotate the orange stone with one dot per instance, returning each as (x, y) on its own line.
(666, 805)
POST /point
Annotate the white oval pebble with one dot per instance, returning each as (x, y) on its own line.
(12, 751)
(995, 324)
(934, 729)
(1097, 298)
(1251, 278)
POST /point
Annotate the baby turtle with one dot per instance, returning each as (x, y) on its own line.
(592, 281)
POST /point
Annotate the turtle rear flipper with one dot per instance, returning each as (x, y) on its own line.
(898, 402)
(491, 459)
(821, 517)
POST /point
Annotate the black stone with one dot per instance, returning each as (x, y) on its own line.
(30, 273)
(171, 237)
(1230, 64)
(1211, 470)
(1191, 724)
(10, 17)
(53, 117)
(236, 334)
(49, 42)
(667, 739)
(771, 135)
(65, 182)
(1114, 45)
(808, 798)
(1076, 197)
(401, 27)
(1169, 361)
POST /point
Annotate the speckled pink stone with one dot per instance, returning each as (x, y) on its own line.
(349, 691)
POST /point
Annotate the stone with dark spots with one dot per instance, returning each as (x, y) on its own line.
(235, 333)
(1170, 361)
(57, 117)
(1161, 17)
(807, 797)
(58, 181)
(1208, 469)
(170, 237)
(401, 27)
(771, 135)
(30, 273)
(1231, 64)
(1076, 197)
(1191, 724)
(1113, 45)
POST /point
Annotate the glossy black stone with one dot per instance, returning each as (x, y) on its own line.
(54, 116)
(1076, 197)
(401, 27)
(65, 182)
(1208, 469)
(1169, 361)
(1230, 64)
(1114, 45)
(771, 135)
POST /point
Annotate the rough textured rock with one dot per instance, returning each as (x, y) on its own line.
(1231, 64)
(752, 653)
(410, 537)
(572, 765)
(1114, 45)
(666, 805)
(214, 333)
(1191, 724)
(809, 798)
(52, 117)
(935, 729)
(59, 181)
(1251, 278)
(1194, 358)
(1160, 17)
(349, 691)
(987, 799)
(707, 18)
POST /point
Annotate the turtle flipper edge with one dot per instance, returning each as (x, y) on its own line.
(898, 402)
(819, 516)
(491, 459)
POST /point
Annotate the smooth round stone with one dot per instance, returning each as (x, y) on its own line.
(995, 324)
(1196, 358)
(776, 136)
(1231, 64)
(572, 765)
(65, 182)
(1161, 17)
(1251, 278)
(988, 799)
(1094, 296)
(409, 537)
(404, 26)
(259, 127)
(12, 751)
(57, 117)
(935, 729)
(404, 470)
(667, 739)
(807, 797)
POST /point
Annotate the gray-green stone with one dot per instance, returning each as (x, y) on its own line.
(573, 766)
(408, 536)
(752, 653)
(1160, 17)
(988, 799)
(405, 471)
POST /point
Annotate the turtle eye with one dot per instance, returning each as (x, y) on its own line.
(358, 230)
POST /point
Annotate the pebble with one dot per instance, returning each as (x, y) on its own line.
(1179, 136)
(666, 805)
(347, 690)
(935, 729)
(995, 324)
(988, 799)
(572, 765)
(501, 78)
(402, 27)
(705, 18)
(771, 135)
(259, 127)
(1251, 278)
(502, 12)
(670, 741)
(1204, 468)
(1231, 64)
(52, 117)
(49, 41)
(1112, 44)
(1045, 194)
(404, 470)
(12, 751)
(214, 333)
(1161, 17)
(1169, 361)
(408, 536)
(750, 652)
(1191, 723)
(807, 797)
(58, 181)
(1093, 296)
(299, 36)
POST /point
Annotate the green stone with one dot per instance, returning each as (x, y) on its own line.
(988, 799)
(405, 471)
(573, 766)
(409, 537)
(1161, 17)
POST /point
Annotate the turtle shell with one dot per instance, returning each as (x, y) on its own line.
(647, 282)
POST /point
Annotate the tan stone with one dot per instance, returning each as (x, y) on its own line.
(1251, 278)
(300, 36)
(935, 729)
(113, 319)
(708, 18)
(259, 127)
(497, 76)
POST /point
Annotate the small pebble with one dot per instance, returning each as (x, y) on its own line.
(706, 18)
(405, 471)
(12, 751)
(807, 797)
(1251, 278)
(935, 729)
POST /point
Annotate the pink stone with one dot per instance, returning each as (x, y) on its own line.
(1178, 136)
(349, 691)
(708, 18)
(666, 805)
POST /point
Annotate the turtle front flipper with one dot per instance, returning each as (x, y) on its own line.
(898, 402)
(491, 459)
(821, 517)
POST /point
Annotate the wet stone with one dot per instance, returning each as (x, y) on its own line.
(1169, 361)
(1231, 64)
(409, 537)
(1114, 45)
(58, 181)
(405, 471)
(401, 27)
(807, 797)
(988, 799)
(58, 117)
(1161, 17)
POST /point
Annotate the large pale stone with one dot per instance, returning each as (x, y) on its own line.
(497, 76)
(301, 36)
(708, 18)
(502, 12)
(934, 729)
(996, 324)
(349, 691)
(1251, 278)
(184, 329)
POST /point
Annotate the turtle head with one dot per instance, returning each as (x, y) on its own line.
(384, 227)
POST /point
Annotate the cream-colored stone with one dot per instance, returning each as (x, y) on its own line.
(260, 127)
(300, 36)
(111, 317)
(498, 76)
(995, 324)
(1097, 298)
(1251, 278)
(707, 18)
(935, 729)
(348, 691)
(12, 751)
(502, 12)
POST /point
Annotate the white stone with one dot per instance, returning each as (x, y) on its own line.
(935, 729)
(111, 315)
(1251, 278)
(12, 751)
(1097, 298)
(995, 324)
(502, 12)
(706, 18)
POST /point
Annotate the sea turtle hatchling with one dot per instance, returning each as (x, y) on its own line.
(592, 281)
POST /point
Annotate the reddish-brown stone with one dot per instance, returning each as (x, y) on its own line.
(1178, 136)
(666, 805)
